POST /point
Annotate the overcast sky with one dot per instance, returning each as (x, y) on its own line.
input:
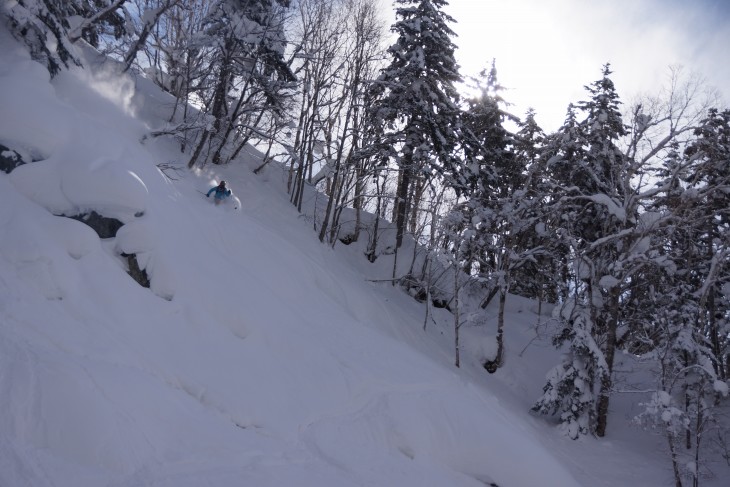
(548, 50)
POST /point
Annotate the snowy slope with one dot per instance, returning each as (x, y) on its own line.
(258, 357)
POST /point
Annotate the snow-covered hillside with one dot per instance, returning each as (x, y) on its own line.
(258, 356)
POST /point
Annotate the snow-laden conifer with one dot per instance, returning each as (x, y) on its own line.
(416, 102)
(595, 200)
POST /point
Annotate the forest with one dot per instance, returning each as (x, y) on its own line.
(620, 218)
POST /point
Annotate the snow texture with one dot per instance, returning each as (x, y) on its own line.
(258, 356)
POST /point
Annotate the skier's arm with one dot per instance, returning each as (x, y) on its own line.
(210, 191)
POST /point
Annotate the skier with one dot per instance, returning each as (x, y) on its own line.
(221, 192)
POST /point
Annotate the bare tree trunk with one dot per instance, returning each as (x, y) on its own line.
(610, 353)
(305, 169)
(418, 188)
(675, 463)
(330, 203)
(394, 209)
(427, 272)
(714, 332)
(219, 101)
(687, 404)
(343, 192)
(243, 100)
(267, 156)
(401, 204)
(699, 427)
(395, 266)
(337, 178)
(78, 32)
(294, 154)
(457, 317)
(492, 365)
(373, 243)
(142, 38)
(488, 299)
(499, 359)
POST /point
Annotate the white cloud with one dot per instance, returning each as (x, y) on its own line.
(547, 52)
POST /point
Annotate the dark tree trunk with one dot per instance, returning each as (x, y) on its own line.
(219, 101)
(609, 354)
(401, 204)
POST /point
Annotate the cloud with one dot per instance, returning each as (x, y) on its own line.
(547, 52)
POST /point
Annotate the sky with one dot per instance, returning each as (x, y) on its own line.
(546, 51)
(258, 356)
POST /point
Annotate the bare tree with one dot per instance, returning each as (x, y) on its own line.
(361, 52)
(657, 121)
(150, 16)
(247, 62)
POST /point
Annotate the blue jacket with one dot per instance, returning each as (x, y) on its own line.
(220, 193)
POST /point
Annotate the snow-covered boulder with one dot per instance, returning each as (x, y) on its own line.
(148, 264)
(40, 249)
(73, 187)
(107, 186)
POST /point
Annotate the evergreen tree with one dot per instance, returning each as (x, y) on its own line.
(598, 210)
(686, 330)
(502, 212)
(491, 169)
(488, 175)
(707, 202)
(571, 385)
(532, 278)
(416, 102)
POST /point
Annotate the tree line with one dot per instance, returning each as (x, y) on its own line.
(620, 218)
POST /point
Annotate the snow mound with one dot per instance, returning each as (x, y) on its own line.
(105, 185)
(68, 187)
